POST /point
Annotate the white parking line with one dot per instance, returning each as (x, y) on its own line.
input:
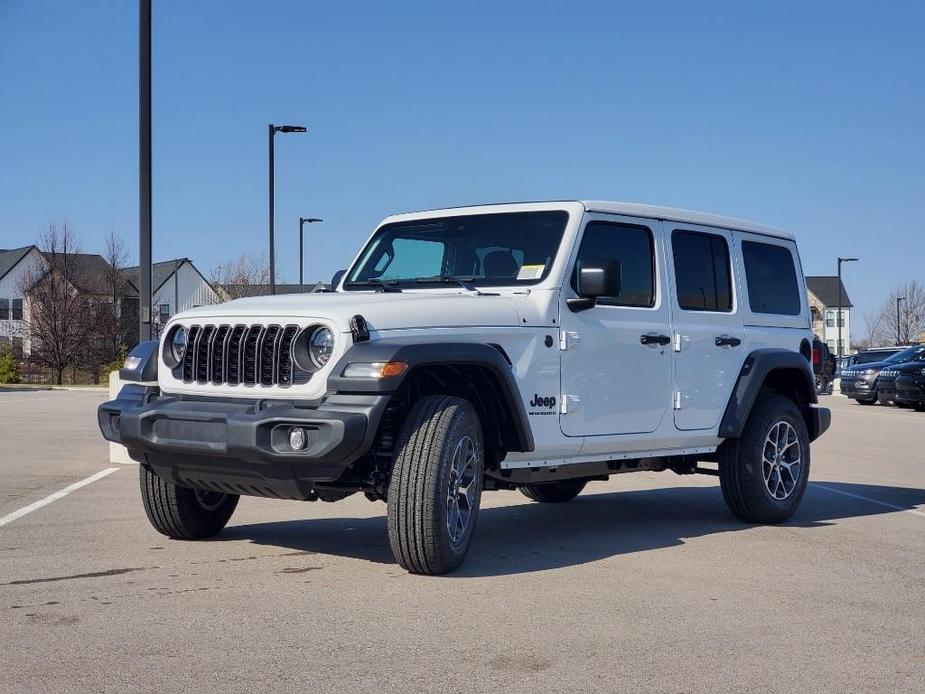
(10, 517)
(867, 498)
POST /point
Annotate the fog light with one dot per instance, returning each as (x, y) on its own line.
(296, 438)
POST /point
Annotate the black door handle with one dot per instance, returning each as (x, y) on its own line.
(726, 341)
(654, 339)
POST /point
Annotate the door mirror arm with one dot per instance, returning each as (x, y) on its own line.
(577, 304)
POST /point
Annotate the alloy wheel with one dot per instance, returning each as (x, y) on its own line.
(781, 460)
(461, 488)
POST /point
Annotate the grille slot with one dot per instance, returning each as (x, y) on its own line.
(241, 354)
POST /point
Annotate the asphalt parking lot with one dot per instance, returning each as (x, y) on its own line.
(645, 583)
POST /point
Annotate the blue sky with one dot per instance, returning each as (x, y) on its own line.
(806, 116)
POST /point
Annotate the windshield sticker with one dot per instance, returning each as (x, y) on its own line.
(530, 272)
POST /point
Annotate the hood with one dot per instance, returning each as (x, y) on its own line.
(909, 367)
(382, 310)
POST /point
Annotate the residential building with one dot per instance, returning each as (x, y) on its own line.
(823, 294)
(16, 266)
(177, 285)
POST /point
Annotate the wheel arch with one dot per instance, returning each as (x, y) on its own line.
(482, 373)
(778, 371)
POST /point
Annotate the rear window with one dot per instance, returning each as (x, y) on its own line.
(771, 279)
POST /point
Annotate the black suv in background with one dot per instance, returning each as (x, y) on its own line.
(886, 382)
(910, 383)
(861, 381)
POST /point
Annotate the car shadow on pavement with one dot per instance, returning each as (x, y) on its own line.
(527, 537)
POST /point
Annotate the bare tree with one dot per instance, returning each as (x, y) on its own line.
(60, 321)
(872, 322)
(109, 326)
(242, 276)
(907, 323)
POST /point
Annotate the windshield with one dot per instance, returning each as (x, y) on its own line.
(505, 249)
(871, 357)
(906, 355)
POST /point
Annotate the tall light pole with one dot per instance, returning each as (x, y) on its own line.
(302, 222)
(145, 327)
(838, 315)
(271, 133)
(899, 339)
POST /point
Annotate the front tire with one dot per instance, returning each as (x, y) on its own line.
(436, 485)
(866, 402)
(763, 474)
(182, 513)
(553, 492)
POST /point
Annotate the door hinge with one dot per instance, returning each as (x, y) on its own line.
(568, 339)
(677, 342)
(570, 403)
(677, 400)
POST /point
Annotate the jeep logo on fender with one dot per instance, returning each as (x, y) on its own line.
(540, 401)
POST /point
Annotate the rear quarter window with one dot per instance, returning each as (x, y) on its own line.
(771, 278)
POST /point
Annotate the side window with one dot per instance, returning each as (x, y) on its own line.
(771, 278)
(4, 309)
(632, 246)
(17, 309)
(701, 270)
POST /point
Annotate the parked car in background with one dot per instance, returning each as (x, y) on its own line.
(823, 367)
(910, 383)
(861, 381)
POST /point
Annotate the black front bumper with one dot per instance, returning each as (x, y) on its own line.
(910, 390)
(858, 388)
(242, 446)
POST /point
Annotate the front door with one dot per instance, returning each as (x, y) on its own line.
(709, 338)
(616, 360)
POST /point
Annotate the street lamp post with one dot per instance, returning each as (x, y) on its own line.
(145, 322)
(838, 318)
(899, 339)
(271, 133)
(302, 222)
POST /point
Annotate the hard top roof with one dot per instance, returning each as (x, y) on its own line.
(630, 209)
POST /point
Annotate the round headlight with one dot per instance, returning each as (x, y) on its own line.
(321, 346)
(178, 344)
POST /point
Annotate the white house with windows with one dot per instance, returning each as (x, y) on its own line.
(823, 302)
(16, 265)
(177, 285)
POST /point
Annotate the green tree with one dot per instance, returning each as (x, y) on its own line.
(9, 365)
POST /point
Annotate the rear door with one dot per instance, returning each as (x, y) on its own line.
(709, 336)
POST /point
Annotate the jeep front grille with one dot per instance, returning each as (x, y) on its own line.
(241, 354)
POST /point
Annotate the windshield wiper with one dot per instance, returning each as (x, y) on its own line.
(464, 282)
(380, 285)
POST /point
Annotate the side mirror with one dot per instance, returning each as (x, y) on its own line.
(595, 280)
(335, 280)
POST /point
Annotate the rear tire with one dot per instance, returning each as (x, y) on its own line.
(553, 492)
(763, 473)
(436, 485)
(866, 402)
(182, 513)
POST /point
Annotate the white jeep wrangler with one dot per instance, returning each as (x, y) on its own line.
(533, 346)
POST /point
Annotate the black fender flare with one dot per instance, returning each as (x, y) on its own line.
(757, 367)
(141, 363)
(418, 354)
